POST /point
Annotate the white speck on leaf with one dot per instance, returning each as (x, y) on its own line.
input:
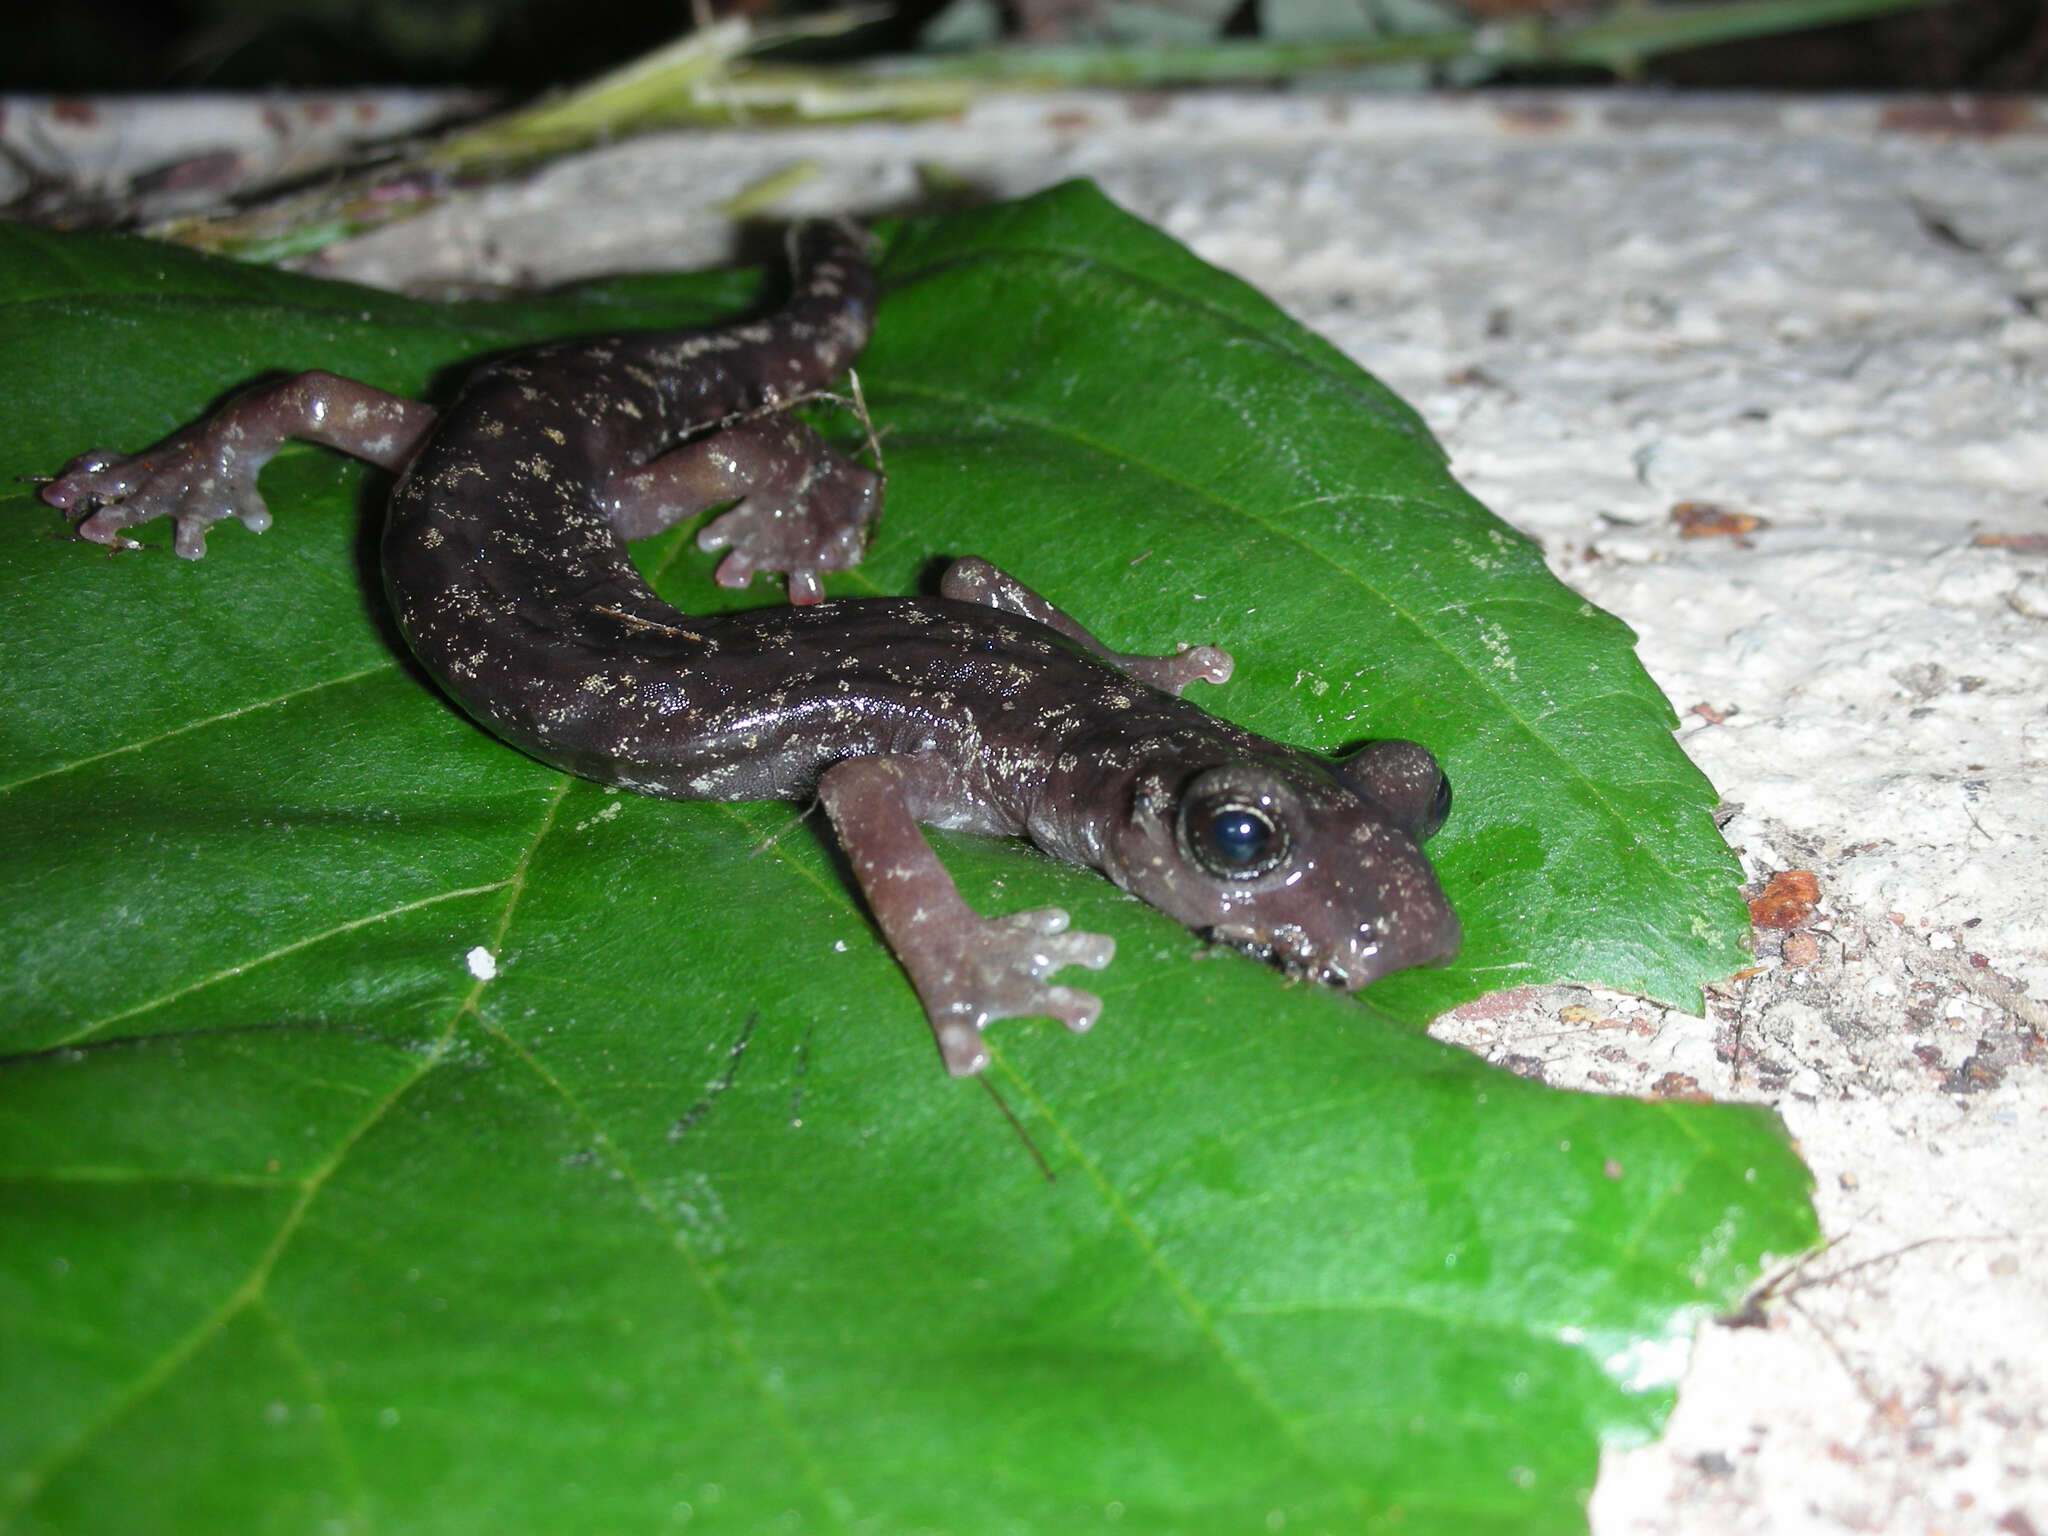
(483, 965)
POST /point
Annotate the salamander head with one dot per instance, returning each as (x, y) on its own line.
(1317, 866)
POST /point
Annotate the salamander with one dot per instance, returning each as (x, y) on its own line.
(983, 708)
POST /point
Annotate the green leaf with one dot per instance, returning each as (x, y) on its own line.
(669, 1217)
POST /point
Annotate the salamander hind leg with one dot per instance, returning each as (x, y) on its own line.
(802, 507)
(967, 969)
(974, 580)
(207, 471)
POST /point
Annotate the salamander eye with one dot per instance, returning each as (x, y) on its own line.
(1439, 807)
(1233, 839)
(1402, 777)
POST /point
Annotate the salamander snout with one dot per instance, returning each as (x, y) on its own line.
(1422, 931)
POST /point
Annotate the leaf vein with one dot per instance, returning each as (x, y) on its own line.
(230, 972)
(30, 1481)
(143, 744)
(1183, 1296)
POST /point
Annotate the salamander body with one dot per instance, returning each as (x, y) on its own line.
(983, 709)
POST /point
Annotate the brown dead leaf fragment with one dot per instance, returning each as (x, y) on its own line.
(1947, 117)
(1527, 116)
(1681, 1086)
(2020, 543)
(1704, 520)
(1498, 1005)
(1973, 1074)
(1787, 901)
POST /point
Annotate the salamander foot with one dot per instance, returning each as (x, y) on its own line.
(818, 522)
(995, 968)
(187, 477)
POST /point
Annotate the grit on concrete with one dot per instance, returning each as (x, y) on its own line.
(1832, 317)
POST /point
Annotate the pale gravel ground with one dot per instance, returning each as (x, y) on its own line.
(1606, 305)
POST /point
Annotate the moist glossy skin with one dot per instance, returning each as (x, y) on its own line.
(984, 709)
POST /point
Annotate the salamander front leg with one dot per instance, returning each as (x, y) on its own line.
(207, 471)
(974, 580)
(967, 969)
(804, 507)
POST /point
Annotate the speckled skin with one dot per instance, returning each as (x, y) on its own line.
(983, 709)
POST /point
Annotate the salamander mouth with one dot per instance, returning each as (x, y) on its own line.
(1292, 950)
